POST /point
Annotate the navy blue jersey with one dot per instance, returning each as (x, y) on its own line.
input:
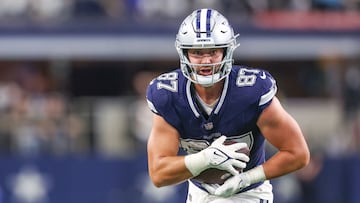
(247, 92)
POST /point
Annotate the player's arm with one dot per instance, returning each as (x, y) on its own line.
(284, 133)
(165, 167)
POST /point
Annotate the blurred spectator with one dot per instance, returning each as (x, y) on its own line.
(39, 125)
(28, 139)
(313, 81)
(160, 9)
(296, 5)
(351, 92)
(49, 10)
(34, 117)
(11, 8)
(206, 4)
(90, 9)
(327, 4)
(332, 66)
(116, 9)
(236, 9)
(139, 111)
(352, 5)
(10, 94)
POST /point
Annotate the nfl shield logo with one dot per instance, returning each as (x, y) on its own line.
(208, 126)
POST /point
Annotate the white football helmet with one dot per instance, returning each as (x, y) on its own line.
(206, 28)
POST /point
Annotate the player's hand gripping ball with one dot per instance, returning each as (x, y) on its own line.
(217, 176)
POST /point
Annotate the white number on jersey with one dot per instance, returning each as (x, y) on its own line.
(244, 79)
(172, 78)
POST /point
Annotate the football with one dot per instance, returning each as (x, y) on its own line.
(214, 175)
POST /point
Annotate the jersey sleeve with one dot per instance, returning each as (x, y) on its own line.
(160, 96)
(267, 89)
(155, 98)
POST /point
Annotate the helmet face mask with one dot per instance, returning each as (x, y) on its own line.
(206, 29)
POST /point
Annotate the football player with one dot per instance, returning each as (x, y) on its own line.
(208, 102)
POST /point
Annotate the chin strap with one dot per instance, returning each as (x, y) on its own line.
(207, 81)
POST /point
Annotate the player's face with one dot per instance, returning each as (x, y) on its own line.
(206, 58)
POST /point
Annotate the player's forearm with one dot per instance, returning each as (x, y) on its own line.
(169, 171)
(291, 157)
(284, 162)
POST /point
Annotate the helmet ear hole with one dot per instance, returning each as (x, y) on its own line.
(189, 69)
(185, 52)
(186, 55)
(224, 52)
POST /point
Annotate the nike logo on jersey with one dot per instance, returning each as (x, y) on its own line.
(263, 76)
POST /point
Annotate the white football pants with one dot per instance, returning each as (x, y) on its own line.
(261, 194)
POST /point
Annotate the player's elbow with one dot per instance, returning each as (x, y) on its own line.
(303, 158)
(157, 183)
(157, 180)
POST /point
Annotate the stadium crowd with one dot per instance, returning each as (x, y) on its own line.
(63, 10)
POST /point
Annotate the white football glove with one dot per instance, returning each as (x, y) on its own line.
(232, 186)
(238, 182)
(218, 155)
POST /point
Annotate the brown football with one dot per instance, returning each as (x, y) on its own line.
(214, 175)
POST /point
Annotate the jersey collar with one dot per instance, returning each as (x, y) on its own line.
(191, 99)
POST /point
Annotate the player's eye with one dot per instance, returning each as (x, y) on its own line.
(197, 52)
(213, 52)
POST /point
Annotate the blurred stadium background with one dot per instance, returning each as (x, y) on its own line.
(74, 121)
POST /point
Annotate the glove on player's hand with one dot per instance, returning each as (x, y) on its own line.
(218, 155)
(232, 185)
(238, 182)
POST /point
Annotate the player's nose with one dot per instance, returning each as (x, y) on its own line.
(206, 59)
